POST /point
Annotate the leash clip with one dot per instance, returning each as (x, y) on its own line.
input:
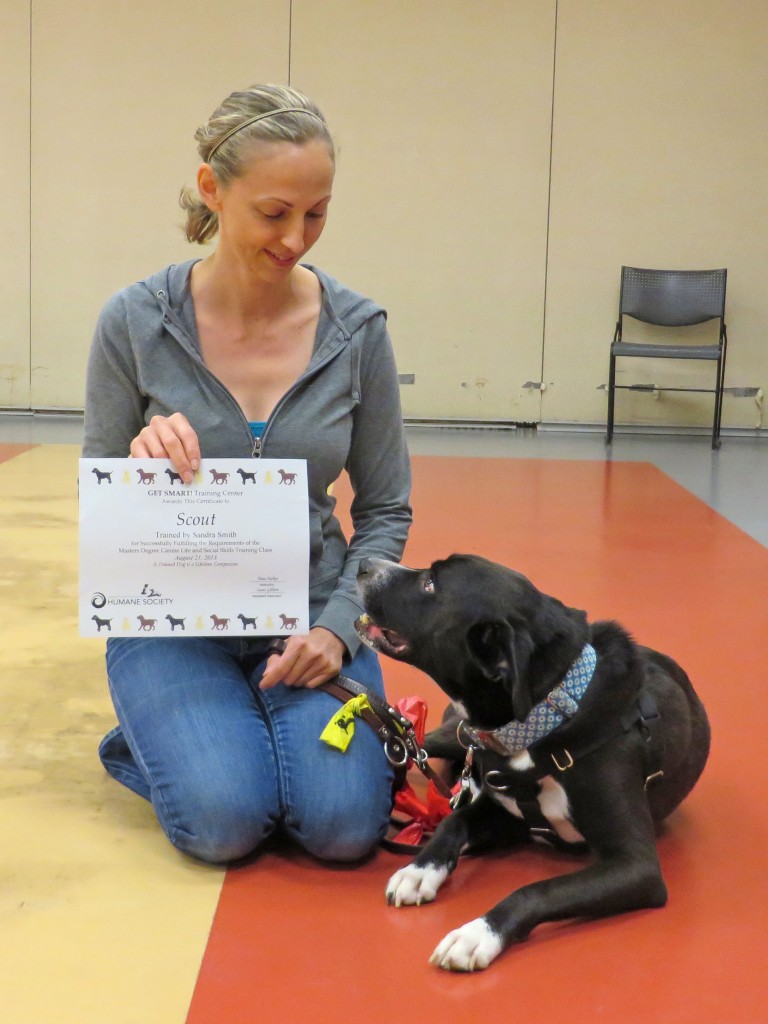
(461, 729)
(464, 794)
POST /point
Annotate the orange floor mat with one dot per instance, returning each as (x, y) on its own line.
(10, 451)
(296, 941)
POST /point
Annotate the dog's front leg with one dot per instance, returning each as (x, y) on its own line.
(611, 886)
(476, 823)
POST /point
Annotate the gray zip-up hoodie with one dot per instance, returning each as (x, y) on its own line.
(342, 413)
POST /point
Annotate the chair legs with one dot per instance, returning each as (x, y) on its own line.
(611, 398)
(718, 405)
(717, 418)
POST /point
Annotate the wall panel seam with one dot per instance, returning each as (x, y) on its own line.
(29, 206)
(549, 191)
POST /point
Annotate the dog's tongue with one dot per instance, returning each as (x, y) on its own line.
(369, 627)
(377, 635)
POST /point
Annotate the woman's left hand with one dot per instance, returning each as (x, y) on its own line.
(306, 661)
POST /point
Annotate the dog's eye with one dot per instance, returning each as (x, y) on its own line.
(428, 585)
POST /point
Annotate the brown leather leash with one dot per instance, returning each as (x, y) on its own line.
(395, 731)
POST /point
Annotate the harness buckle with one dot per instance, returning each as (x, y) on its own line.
(562, 767)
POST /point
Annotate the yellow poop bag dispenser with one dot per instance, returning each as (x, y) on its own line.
(341, 728)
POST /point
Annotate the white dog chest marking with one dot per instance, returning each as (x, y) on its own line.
(554, 806)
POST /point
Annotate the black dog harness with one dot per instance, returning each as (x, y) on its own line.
(644, 716)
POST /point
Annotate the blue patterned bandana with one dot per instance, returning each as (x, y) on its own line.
(558, 706)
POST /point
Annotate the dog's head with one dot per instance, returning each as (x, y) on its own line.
(493, 642)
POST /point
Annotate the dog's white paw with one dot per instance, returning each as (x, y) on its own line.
(470, 948)
(411, 886)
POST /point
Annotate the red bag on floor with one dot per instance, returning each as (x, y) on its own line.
(415, 819)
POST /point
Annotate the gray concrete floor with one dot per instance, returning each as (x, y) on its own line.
(732, 480)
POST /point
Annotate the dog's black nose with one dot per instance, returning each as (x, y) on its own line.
(365, 565)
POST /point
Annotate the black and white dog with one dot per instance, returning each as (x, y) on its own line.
(578, 736)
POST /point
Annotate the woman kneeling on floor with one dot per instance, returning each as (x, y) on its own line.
(250, 352)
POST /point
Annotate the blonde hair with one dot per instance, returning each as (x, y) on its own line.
(262, 113)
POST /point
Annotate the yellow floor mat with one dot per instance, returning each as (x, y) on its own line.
(101, 919)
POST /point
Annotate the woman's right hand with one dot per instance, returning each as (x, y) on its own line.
(169, 437)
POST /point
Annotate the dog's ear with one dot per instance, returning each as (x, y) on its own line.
(502, 655)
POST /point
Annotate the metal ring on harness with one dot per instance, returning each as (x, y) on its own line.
(461, 724)
(391, 745)
(491, 785)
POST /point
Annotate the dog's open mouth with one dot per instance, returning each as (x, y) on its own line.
(380, 639)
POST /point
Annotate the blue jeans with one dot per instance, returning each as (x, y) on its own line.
(225, 764)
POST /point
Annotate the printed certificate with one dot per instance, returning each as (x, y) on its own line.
(226, 555)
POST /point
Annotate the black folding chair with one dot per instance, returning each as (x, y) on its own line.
(674, 299)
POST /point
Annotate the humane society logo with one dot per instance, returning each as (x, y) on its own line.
(148, 595)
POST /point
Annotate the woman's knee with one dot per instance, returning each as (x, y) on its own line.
(217, 835)
(217, 818)
(345, 823)
(341, 841)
